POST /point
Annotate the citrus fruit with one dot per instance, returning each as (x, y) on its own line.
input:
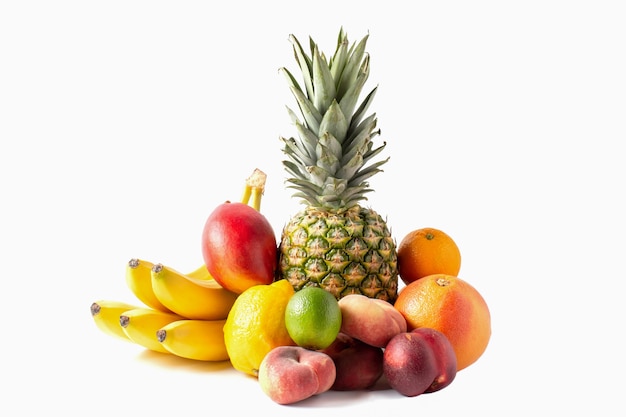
(427, 251)
(452, 306)
(256, 324)
(313, 318)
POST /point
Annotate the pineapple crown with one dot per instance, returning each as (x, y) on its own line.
(328, 161)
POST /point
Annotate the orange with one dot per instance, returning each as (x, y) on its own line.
(427, 251)
(256, 324)
(453, 307)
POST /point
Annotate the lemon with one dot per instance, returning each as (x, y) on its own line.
(256, 324)
(313, 318)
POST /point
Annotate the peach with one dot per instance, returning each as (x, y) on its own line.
(370, 320)
(445, 357)
(239, 247)
(418, 362)
(358, 365)
(289, 374)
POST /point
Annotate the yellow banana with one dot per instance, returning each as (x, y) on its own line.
(106, 315)
(195, 339)
(141, 325)
(139, 281)
(200, 273)
(199, 299)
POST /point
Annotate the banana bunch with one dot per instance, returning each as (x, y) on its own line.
(180, 313)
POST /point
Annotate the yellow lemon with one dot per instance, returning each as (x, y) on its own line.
(256, 324)
(313, 318)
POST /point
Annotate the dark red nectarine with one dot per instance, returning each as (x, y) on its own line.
(409, 364)
(444, 357)
(358, 365)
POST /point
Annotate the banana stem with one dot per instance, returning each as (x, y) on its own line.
(255, 185)
(247, 192)
(256, 199)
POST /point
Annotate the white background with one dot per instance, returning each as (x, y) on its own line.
(124, 123)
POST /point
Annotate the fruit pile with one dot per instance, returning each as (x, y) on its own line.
(320, 309)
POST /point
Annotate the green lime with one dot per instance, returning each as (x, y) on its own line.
(313, 318)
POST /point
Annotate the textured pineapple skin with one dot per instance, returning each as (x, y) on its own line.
(347, 253)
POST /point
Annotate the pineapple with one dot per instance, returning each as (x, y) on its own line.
(335, 242)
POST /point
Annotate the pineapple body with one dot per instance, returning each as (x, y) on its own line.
(351, 252)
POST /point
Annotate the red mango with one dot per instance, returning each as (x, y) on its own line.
(239, 247)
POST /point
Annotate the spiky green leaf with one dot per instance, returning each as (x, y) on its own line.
(350, 98)
(362, 136)
(360, 112)
(311, 115)
(334, 122)
(327, 160)
(294, 169)
(323, 83)
(332, 144)
(317, 175)
(308, 140)
(367, 172)
(340, 57)
(305, 64)
(352, 66)
(293, 149)
(305, 186)
(350, 168)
